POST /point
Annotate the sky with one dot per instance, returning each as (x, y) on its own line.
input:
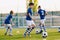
(19, 6)
(50, 5)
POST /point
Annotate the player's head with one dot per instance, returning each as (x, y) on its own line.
(39, 7)
(31, 5)
(11, 12)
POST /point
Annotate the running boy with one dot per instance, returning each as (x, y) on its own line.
(8, 22)
(42, 13)
(29, 20)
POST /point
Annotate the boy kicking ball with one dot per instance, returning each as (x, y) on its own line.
(29, 20)
(8, 22)
(42, 13)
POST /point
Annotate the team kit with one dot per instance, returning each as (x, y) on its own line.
(29, 20)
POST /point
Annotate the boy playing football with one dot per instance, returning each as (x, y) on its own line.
(8, 22)
(42, 13)
(29, 20)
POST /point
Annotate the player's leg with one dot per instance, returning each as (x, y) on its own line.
(41, 29)
(32, 27)
(6, 31)
(7, 28)
(43, 25)
(44, 28)
(28, 28)
(10, 31)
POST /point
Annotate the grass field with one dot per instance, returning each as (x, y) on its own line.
(52, 35)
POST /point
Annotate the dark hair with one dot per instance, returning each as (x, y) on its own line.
(11, 12)
(31, 4)
(39, 6)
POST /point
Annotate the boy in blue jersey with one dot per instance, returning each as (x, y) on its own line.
(42, 13)
(29, 20)
(8, 22)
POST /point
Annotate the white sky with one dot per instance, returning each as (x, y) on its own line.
(50, 5)
(20, 5)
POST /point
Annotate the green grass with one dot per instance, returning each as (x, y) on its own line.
(53, 34)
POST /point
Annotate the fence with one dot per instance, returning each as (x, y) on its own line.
(52, 20)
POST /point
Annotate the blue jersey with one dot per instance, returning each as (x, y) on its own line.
(8, 19)
(29, 11)
(41, 13)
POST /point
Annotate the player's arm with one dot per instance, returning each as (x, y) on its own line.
(11, 19)
(12, 22)
(46, 13)
(28, 14)
(36, 14)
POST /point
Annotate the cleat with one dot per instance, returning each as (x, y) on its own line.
(41, 31)
(24, 35)
(5, 33)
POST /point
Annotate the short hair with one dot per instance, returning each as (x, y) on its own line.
(11, 12)
(31, 4)
(39, 6)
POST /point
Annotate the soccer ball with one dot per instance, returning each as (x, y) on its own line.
(37, 31)
(44, 34)
(59, 30)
